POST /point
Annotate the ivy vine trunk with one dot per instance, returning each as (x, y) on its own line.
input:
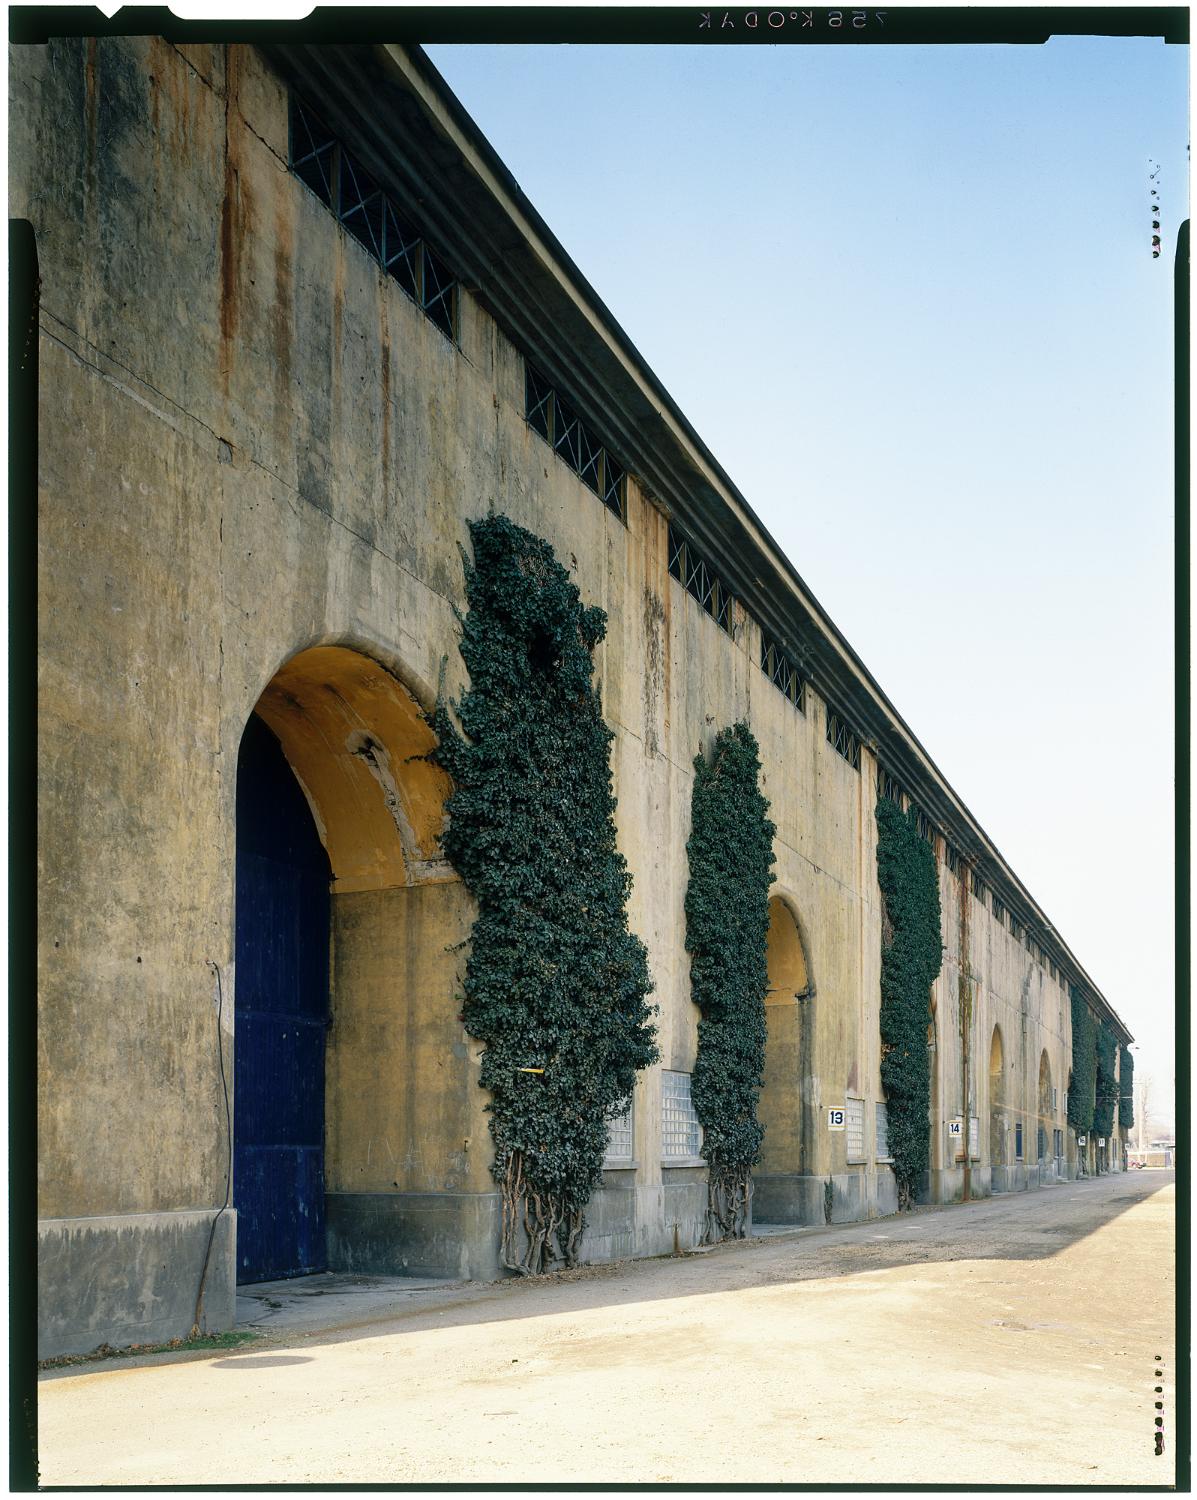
(730, 851)
(911, 958)
(556, 985)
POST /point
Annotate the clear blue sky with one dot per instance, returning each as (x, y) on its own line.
(906, 295)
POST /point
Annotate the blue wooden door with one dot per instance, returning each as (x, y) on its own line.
(281, 1018)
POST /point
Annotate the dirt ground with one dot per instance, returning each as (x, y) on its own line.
(1009, 1341)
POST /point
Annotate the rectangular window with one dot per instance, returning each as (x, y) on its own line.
(1041, 1143)
(842, 740)
(619, 1139)
(974, 1138)
(322, 163)
(978, 888)
(1054, 1105)
(552, 417)
(681, 1134)
(699, 580)
(888, 789)
(951, 858)
(882, 1122)
(1018, 1141)
(854, 1127)
(1057, 1143)
(782, 672)
(999, 911)
(926, 829)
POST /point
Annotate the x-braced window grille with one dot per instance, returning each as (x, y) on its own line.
(699, 580)
(842, 740)
(782, 672)
(888, 789)
(555, 420)
(340, 182)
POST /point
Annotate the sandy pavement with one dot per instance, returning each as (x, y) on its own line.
(1011, 1341)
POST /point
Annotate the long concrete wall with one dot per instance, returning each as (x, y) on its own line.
(253, 443)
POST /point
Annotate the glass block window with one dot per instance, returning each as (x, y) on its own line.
(882, 1131)
(888, 789)
(1018, 1141)
(619, 1138)
(681, 1134)
(549, 414)
(974, 1138)
(854, 1128)
(842, 740)
(782, 672)
(699, 579)
(322, 163)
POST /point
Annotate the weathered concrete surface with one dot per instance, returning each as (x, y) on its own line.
(964, 1343)
(318, 1302)
(256, 473)
(131, 1278)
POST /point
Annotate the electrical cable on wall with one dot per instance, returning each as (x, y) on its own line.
(228, 1122)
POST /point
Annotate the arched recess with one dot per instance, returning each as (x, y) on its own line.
(389, 1096)
(997, 1112)
(782, 1178)
(1043, 1141)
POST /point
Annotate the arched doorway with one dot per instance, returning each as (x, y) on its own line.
(356, 1100)
(1044, 1130)
(997, 1114)
(784, 1189)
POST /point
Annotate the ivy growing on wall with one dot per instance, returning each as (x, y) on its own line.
(555, 983)
(1082, 1082)
(727, 925)
(1106, 1092)
(1126, 1086)
(911, 958)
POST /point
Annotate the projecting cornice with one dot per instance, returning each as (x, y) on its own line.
(407, 128)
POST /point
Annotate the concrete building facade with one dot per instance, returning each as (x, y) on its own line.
(289, 346)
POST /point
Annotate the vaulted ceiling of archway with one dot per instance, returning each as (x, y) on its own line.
(784, 955)
(349, 731)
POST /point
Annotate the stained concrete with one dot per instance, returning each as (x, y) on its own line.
(268, 451)
(333, 1299)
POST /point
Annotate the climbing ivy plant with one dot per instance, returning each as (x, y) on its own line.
(1106, 1091)
(911, 958)
(1126, 1094)
(556, 985)
(730, 850)
(1082, 1082)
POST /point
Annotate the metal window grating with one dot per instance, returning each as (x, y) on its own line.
(842, 740)
(925, 827)
(882, 1131)
(978, 888)
(681, 1134)
(974, 1138)
(888, 789)
(550, 415)
(619, 1136)
(782, 672)
(322, 163)
(999, 911)
(699, 580)
(951, 858)
(854, 1128)
(1018, 1141)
